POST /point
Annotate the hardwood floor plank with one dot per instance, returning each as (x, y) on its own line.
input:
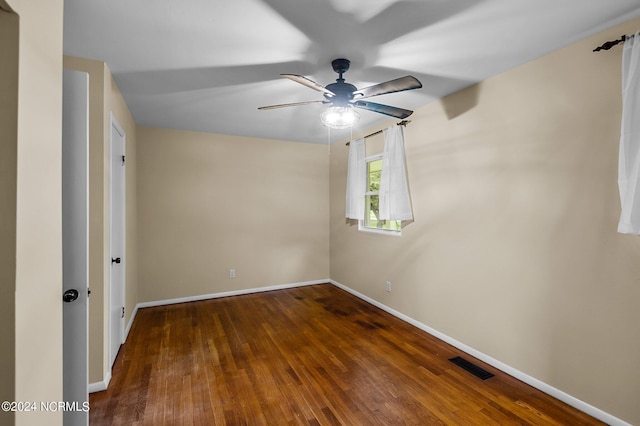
(313, 355)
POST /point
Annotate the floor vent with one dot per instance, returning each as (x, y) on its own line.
(471, 368)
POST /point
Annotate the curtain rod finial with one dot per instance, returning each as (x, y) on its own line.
(609, 44)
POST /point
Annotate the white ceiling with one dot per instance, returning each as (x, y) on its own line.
(207, 65)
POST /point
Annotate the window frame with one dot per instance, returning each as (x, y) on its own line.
(361, 223)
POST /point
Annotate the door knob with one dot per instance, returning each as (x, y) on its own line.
(115, 260)
(70, 295)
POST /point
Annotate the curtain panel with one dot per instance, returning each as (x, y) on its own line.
(629, 154)
(356, 180)
(395, 201)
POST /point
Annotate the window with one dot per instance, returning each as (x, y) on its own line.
(371, 220)
(377, 184)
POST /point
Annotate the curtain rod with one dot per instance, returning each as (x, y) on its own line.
(609, 44)
(401, 123)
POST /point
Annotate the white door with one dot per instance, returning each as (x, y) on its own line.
(75, 247)
(117, 281)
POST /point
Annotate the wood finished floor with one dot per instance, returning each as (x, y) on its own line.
(312, 355)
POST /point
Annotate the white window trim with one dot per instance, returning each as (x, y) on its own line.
(363, 228)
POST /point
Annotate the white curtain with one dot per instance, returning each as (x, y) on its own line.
(356, 180)
(629, 154)
(395, 201)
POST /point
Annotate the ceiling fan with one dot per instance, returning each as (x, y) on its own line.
(344, 95)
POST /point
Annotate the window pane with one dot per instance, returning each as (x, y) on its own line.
(372, 204)
(394, 225)
(374, 169)
(371, 211)
(372, 220)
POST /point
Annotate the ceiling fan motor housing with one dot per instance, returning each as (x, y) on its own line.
(343, 91)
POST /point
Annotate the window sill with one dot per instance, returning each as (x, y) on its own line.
(379, 231)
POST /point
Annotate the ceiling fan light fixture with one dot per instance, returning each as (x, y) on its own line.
(339, 117)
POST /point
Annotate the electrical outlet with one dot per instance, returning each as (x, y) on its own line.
(388, 286)
(232, 273)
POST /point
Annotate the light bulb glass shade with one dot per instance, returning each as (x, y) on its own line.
(338, 117)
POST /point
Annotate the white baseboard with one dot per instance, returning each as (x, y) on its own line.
(100, 386)
(130, 323)
(549, 390)
(103, 385)
(227, 294)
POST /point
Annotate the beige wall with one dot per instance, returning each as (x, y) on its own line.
(37, 200)
(208, 203)
(104, 99)
(514, 249)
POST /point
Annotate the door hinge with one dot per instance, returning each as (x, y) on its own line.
(123, 312)
(123, 160)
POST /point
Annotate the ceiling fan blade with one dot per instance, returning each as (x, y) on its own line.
(293, 104)
(383, 109)
(309, 83)
(398, 85)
